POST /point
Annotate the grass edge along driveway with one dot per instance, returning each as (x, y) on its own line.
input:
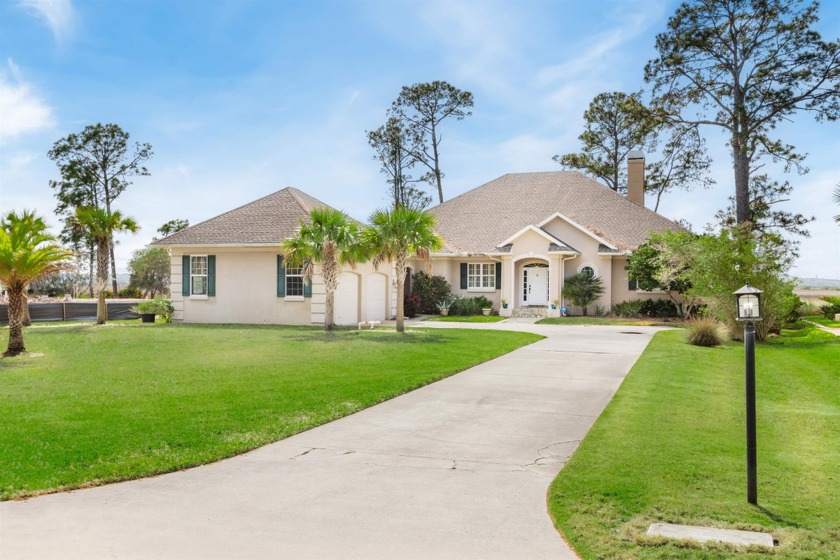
(670, 447)
(92, 405)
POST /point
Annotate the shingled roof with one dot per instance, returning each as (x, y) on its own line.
(265, 221)
(478, 220)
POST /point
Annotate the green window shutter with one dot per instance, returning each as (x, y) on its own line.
(463, 276)
(281, 277)
(211, 275)
(185, 275)
(498, 276)
(307, 288)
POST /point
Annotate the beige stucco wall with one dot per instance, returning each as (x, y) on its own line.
(620, 287)
(450, 269)
(246, 290)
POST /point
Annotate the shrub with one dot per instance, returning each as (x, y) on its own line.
(830, 310)
(704, 331)
(658, 308)
(788, 316)
(469, 306)
(583, 289)
(411, 305)
(464, 306)
(645, 308)
(629, 308)
(131, 292)
(159, 306)
(430, 290)
(807, 308)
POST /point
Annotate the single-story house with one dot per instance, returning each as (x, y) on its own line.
(512, 239)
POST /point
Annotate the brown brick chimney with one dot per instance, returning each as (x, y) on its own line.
(636, 177)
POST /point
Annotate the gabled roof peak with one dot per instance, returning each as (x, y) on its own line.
(476, 221)
(266, 220)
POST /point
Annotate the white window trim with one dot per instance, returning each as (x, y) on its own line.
(592, 266)
(206, 278)
(286, 277)
(482, 289)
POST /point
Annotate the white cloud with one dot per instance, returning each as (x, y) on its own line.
(58, 15)
(21, 109)
(597, 55)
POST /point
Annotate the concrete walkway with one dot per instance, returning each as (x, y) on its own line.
(458, 469)
(833, 330)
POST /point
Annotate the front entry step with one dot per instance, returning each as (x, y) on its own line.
(539, 311)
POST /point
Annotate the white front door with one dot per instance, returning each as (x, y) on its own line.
(534, 285)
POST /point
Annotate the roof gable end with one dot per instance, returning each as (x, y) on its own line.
(585, 230)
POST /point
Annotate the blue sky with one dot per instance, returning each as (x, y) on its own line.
(242, 98)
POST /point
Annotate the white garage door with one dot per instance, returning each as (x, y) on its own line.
(347, 299)
(375, 294)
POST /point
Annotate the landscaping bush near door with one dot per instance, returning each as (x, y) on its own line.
(411, 305)
(430, 290)
(469, 306)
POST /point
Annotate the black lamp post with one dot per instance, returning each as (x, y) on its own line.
(748, 300)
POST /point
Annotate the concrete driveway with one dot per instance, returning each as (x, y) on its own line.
(458, 469)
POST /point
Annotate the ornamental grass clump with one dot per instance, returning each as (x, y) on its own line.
(704, 331)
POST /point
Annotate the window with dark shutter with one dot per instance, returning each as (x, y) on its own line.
(211, 275)
(185, 275)
(281, 277)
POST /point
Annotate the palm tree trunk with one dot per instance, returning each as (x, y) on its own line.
(16, 303)
(329, 317)
(113, 266)
(400, 272)
(102, 281)
(330, 271)
(400, 306)
(91, 257)
(26, 320)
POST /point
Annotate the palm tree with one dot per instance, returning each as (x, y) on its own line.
(101, 225)
(396, 235)
(331, 239)
(583, 288)
(28, 252)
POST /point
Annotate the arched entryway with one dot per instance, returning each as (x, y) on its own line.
(534, 284)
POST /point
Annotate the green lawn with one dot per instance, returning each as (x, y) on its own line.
(671, 447)
(606, 321)
(824, 322)
(97, 404)
(468, 318)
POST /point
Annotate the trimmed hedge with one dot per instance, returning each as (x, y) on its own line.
(645, 308)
